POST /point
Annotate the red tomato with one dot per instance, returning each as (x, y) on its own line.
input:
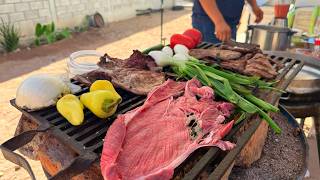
(195, 34)
(182, 39)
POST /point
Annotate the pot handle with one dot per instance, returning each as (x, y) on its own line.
(292, 32)
(285, 96)
(17, 142)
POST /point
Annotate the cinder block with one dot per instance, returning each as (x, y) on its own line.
(75, 2)
(27, 26)
(4, 17)
(36, 5)
(44, 12)
(16, 17)
(61, 10)
(46, 4)
(31, 14)
(12, 1)
(65, 2)
(6, 8)
(20, 7)
(65, 16)
(80, 7)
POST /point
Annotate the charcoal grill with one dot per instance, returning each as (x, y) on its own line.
(87, 140)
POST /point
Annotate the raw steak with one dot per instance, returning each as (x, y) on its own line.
(150, 141)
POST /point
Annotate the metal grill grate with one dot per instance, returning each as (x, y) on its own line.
(87, 139)
(88, 136)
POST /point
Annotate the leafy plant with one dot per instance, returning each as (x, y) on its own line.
(84, 26)
(49, 34)
(63, 34)
(9, 36)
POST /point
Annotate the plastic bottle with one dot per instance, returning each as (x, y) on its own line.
(316, 51)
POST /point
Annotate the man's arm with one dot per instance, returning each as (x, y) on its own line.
(223, 31)
(256, 10)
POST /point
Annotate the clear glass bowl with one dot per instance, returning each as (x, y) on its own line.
(84, 61)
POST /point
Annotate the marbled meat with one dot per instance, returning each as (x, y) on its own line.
(137, 74)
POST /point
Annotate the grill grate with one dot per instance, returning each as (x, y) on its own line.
(91, 133)
(88, 137)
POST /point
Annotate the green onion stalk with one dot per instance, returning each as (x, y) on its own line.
(231, 86)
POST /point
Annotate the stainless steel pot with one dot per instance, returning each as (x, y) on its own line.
(271, 38)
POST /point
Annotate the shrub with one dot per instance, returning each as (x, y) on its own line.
(9, 36)
(49, 34)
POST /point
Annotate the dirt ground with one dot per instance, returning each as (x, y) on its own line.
(117, 39)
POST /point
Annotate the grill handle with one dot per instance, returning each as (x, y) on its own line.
(17, 142)
(78, 165)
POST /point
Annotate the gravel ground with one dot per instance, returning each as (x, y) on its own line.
(283, 156)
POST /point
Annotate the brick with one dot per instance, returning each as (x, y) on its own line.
(31, 14)
(80, 7)
(15, 17)
(4, 17)
(6, 8)
(12, 1)
(65, 2)
(21, 7)
(44, 12)
(41, 20)
(65, 16)
(46, 5)
(27, 26)
(61, 10)
(36, 5)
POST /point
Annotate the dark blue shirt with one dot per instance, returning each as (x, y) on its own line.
(230, 9)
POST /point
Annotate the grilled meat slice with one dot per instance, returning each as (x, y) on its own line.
(134, 80)
(112, 63)
(140, 61)
(137, 81)
(88, 78)
(260, 65)
(241, 47)
(133, 74)
(215, 53)
(234, 65)
(254, 71)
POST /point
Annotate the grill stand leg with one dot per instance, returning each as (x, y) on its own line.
(317, 127)
(302, 122)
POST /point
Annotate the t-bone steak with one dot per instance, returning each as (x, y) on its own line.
(150, 141)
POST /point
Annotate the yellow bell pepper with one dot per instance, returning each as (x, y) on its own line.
(102, 103)
(70, 107)
(102, 85)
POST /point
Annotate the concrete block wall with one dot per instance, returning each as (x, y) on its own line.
(25, 14)
(68, 13)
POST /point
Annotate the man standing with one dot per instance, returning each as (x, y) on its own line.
(218, 19)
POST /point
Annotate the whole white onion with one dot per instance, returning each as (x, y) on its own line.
(39, 91)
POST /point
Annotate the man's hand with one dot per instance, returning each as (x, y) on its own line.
(258, 13)
(223, 31)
